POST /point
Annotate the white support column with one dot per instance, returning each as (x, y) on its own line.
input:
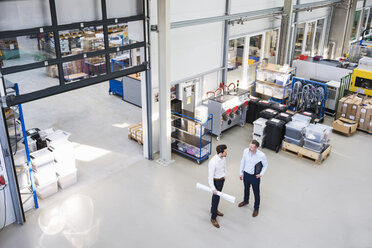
(164, 81)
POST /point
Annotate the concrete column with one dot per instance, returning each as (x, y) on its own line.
(164, 81)
(285, 32)
(341, 25)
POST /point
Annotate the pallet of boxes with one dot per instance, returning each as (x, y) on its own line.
(306, 140)
(53, 165)
(354, 112)
(135, 132)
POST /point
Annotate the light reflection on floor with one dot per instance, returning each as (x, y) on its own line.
(74, 218)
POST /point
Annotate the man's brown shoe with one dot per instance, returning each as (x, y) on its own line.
(215, 223)
(242, 204)
(255, 213)
(219, 213)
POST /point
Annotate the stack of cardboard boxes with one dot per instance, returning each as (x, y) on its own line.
(358, 109)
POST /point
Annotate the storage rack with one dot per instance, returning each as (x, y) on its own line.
(273, 68)
(194, 133)
(28, 191)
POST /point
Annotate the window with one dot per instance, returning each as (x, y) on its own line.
(365, 20)
(235, 59)
(354, 30)
(254, 56)
(318, 37)
(309, 38)
(369, 20)
(27, 49)
(299, 40)
(271, 44)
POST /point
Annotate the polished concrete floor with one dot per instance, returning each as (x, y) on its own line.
(123, 200)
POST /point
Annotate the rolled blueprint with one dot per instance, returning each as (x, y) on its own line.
(223, 195)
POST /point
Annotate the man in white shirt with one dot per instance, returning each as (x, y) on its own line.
(216, 179)
(252, 156)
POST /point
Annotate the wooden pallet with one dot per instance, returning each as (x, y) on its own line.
(132, 138)
(364, 131)
(301, 152)
(135, 133)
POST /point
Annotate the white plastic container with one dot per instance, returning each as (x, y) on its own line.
(259, 138)
(57, 136)
(259, 88)
(67, 180)
(47, 190)
(41, 157)
(45, 174)
(259, 126)
(44, 133)
(201, 113)
(268, 90)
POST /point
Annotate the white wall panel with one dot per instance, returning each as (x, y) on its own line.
(255, 26)
(24, 14)
(69, 12)
(312, 15)
(368, 3)
(195, 50)
(210, 82)
(182, 10)
(239, 6)
(123, 8)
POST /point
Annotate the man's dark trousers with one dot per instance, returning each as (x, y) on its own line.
(215, 198)
(255, 182)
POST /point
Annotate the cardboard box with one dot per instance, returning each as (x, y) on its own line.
(362, 115)
(345, 126)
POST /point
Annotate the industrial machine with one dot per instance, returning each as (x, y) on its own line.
(228, 110)
(361, 81)
(333, 88)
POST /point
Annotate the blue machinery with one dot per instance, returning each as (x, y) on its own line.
(193, 138)
(309, 96)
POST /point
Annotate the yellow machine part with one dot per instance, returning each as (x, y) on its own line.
(361, 74)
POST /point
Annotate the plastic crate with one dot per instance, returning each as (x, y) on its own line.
(313, 146)
(302, 118)
(259, 126)
(67, 180)
(295, 129)
(299, 142)
(47, 190)
(317, 132)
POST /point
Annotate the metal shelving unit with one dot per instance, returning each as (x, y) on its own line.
(191, 137)
(278, 92)
(27, 189)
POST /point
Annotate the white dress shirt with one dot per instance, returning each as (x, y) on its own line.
(249, 161)
(216, 169)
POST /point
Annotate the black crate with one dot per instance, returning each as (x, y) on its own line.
(279, 107)
(275, 130)
(262, 105)
(268, 113)
(176, 105)
(286, 117)
(252, 109)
